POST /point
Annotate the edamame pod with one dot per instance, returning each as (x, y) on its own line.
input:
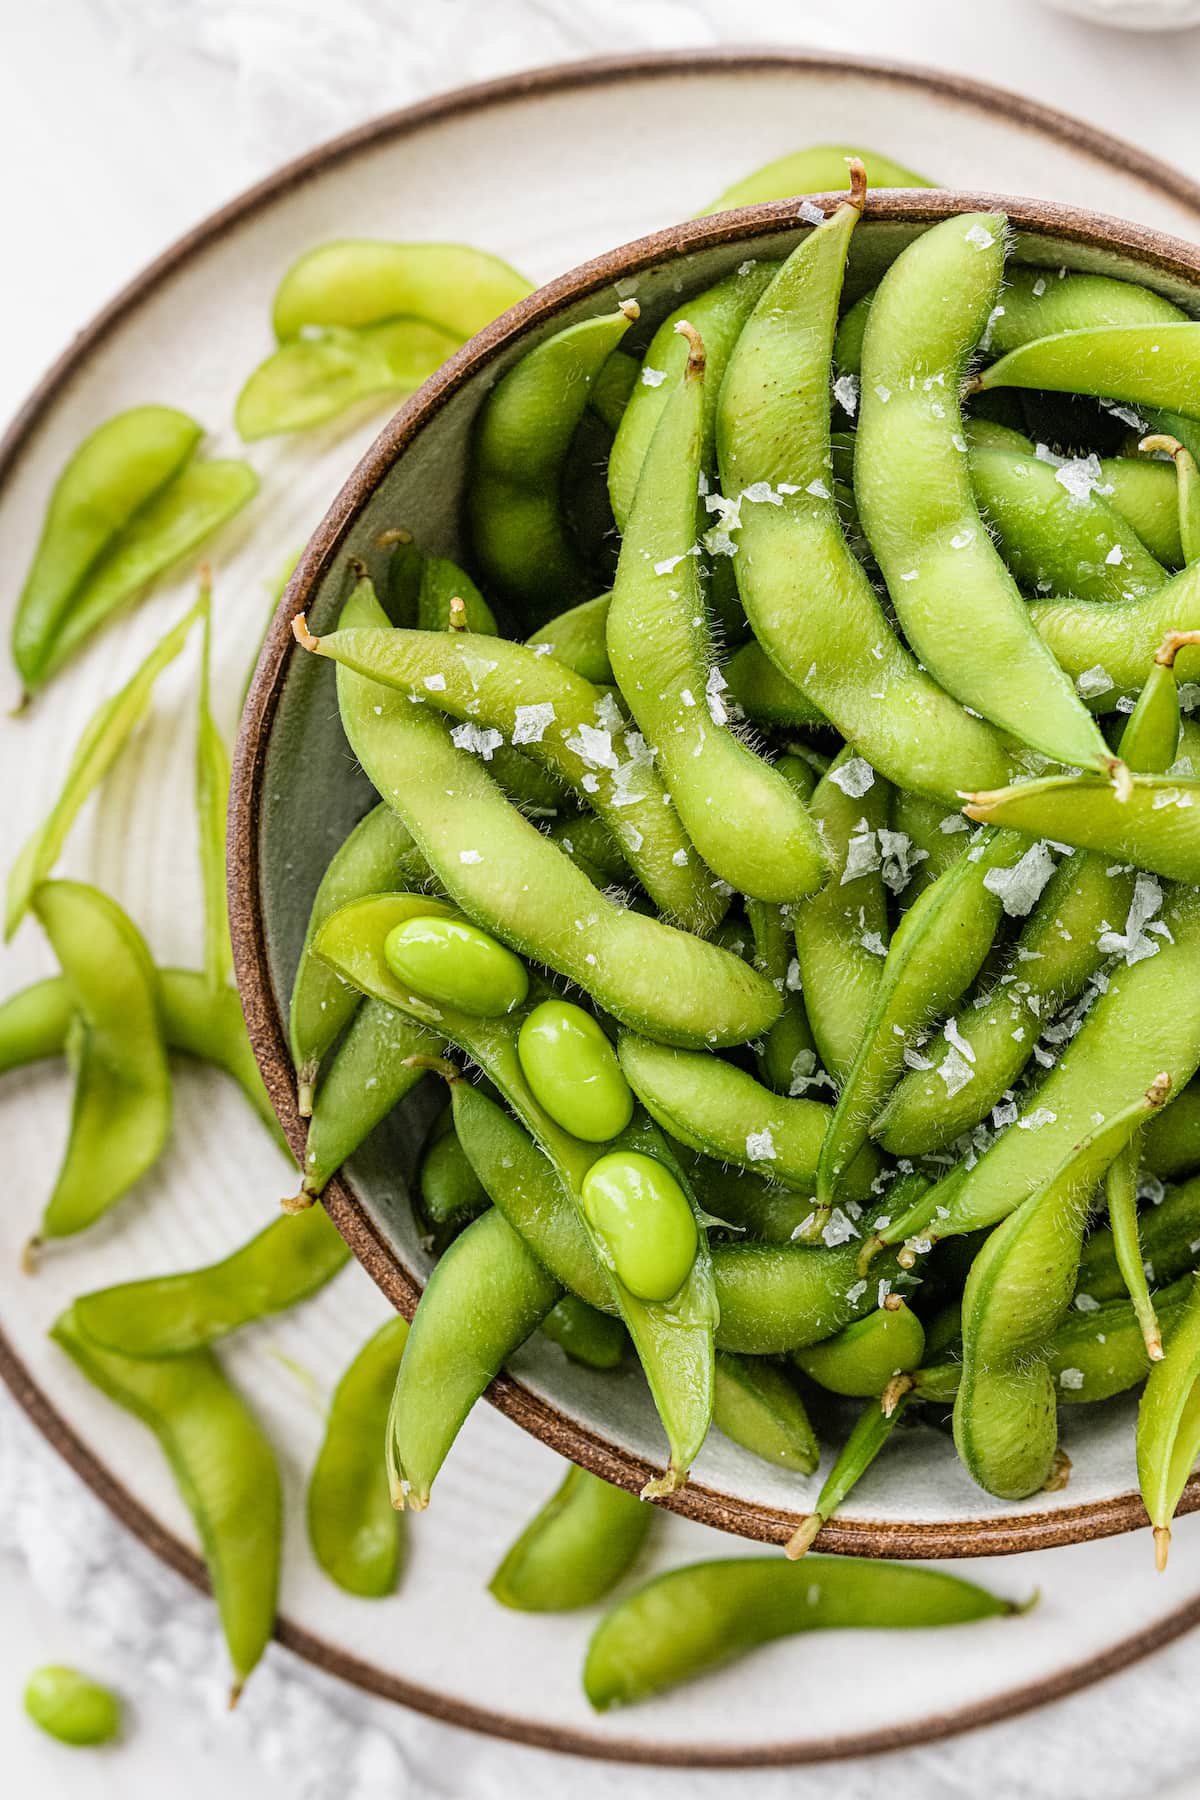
(691, 1620)
(212, 807)
(1168, 1427)
(204, 1022)
(787, 1056)
(578, 639)
(764, 692)
(34, 1023)
(1119, 639)
(646, 974)
(756, 1405)
(315, 377)
(224, 1468)
(872, 1430)
(449, 1193)
(1156, 826)
(354, 1530)
(819, 170)
(1120, 1187)
(522, 437)
(172, 1315)
(862, 1358)
(951, 591)
(591, 1338)
(937, 836)
(747, 823)
(1153, 365)
(356, 282)
(1169, 1231)
(1173, 1139)
(585, 1538)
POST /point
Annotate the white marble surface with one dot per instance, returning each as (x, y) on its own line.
(121, 123)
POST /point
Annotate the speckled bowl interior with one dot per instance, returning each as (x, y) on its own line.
(297, 792)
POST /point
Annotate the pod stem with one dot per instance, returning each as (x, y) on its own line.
(858, 183)
(235, 1694)
(395, 534)
(894, 1392)
(297, 1203)
(660, 1487)
(1122, 780)
(801, 1540)
(303, 635)
(631, 309)
(458, 613)
(1162, 1546)
(1160, 441)
(306, 1088)
(1172, 644)
(439, 1065)
(1060, 1473)
(696, 352)
(29, 1255)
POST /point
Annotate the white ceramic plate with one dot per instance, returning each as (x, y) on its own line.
(547, 170)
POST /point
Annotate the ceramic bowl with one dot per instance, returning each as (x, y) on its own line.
(297, 792)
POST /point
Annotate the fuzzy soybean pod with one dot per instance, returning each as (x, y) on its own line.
(724, 1112)
(224, 1468)
(1168, 1232)
(786, 1056)
(449, 1194)
(1119, 639)
(1120, 1189)
(674, 1343)
(938, 836)
(353, 1527)
(817, 170)
(315, 377)
(586, 1537)
(691, 1620)
(172, 1315)
(578, 638)
(748, 824)
(1155, 826)
(872, 1431)
(1168, 1426)
(936, 953)
(586, 1336)
(756, 1405)
(522, 438)
(104, 737)
(1019, 1289)
(842, 933)
(1152, 365)
(763, 691)
(501, 690)
(378, 854)
(647, 974)
(1172, 1142)
(960, 608)
(862, 1358)
(796, 573)
(361, 281)
(122, 1107)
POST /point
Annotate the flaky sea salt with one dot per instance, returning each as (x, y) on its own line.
(1018, 888)
(846, 392)
(530, 722)
(854, 777)
(760, 1146)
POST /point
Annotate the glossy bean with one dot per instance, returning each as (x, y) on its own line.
(586, 1537)
(691, 1620)
(642, 1220)
(353, 1528)
(821, 169)
(862, 1358)
(224, 1468)
(447, 959)
(757, 1407)
(313, 378)
(573, 1071)
(1168, 1426)
(67, 1705)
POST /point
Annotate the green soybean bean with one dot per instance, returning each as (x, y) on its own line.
(586, 1537)
(315, 377)
(862, 1358)
(122, 1108)
(872, 1430)
(578, 639)
(716, 1108)
(72, 1708)
(356, 282)
(447, 959)
(821, 169)
(646, 974)
(122, 465)
(641, 1218)
(354, 1530)
(842, 933)
(172, 1315)
(34, 1023)
(449, 1191)
(937, 952)
(757, 1407)
(379, 853)
(500, 689)
(674, 1345)
(747, 823)
(104, 737)
(948, 584)
(796, 572)
(591, 1338)
(224, 1468)
(786, 1056)
(691, 1620)
(522, 437)
(1019, 1289)
(1120, 1187)
(573, 1071)
(1153, 365)
(1172, 1145)
(1156, 826)
(1168, 1426)
(483, 1298)
(1119, 639)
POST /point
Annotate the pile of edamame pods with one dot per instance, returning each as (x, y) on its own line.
(796, 889)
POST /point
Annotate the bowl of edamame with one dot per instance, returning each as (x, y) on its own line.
(716, 873)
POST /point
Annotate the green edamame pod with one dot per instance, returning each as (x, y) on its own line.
(122, 1108)
(951, 590)
(1168, 1230)
(842, 933)
(115, 471)
(522, 437)
(315, 377)
(172, 1315)
(756, 1405)
(747, 823)
(212, 806)
(34, 1023)
(482, 1300)
(764, 692)
(1172, 1140)
(592, 1338)
(585, 1538)
(225, 1470)
(722, 1111)
(356, 282)
(431, 592)
(204, 1022)
(578, 639)
(1145, 494)
(1120, 1187)
(796, 573)
(1168, 1427)
(1187, 476)
(1119, 639)
(1040, 303)
(450, 1192)
(645, 973)
(872, 1430)
(787, 1055)
(744, 1202)
(1156, 826)
(68, 1706)
(691, 1620)
(612, 387)
(937, 837)
(104, 737)
(355, 1531)
(1153, 365)
(379, 853)
(819, 170)
(862, 1358)
(589, 844)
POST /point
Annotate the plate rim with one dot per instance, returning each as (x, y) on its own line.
(406, 121)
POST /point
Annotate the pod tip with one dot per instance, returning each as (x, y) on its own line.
(1162, 1546)
(631, 309)
(894, 1392)
(802, 1538)
(695, 344)
(303, 635)
(858, 182)
(297, 1203)
(235, 1694)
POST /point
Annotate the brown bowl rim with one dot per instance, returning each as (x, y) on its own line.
(554, 79)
